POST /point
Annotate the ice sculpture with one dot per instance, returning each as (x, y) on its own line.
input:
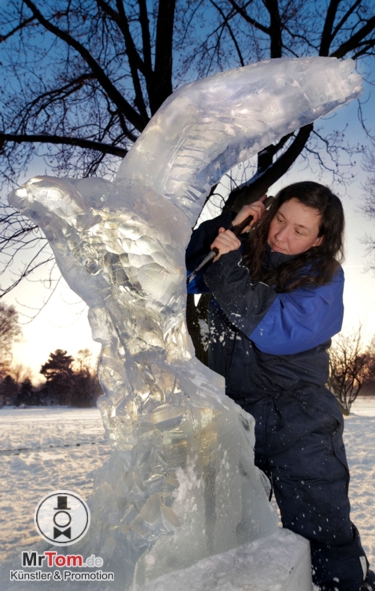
(180, 483)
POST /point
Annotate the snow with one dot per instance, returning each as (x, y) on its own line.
(360, 446)
(42, 450)
(47, 449)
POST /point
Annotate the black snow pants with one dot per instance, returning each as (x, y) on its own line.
(299, 446)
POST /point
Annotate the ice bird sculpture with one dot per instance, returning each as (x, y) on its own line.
(180, 483)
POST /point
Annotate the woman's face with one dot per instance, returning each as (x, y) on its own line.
(294, 228)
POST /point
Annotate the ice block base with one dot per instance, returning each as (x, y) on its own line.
(279, 562)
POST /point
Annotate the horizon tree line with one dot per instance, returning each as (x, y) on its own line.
(73, 381)
(69, 380)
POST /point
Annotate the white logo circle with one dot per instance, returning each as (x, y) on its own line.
(62, 518)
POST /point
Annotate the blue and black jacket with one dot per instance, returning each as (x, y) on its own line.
(260, 339)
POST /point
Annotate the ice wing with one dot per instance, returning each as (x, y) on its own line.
(210, 125)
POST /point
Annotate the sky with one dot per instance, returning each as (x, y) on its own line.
(62, 323)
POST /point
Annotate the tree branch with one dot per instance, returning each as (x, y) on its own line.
(328, 27)
(227, 25)
(260, 183)
(135, 61)
(346, 16)
(275, 29)
(161, 86)
(352, 43)
(102, 78)
(16, 29)
(49, 97)
(366, 46)
(249, 19)
(54, 139)
(146, 39)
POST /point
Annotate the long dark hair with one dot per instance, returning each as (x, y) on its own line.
(317, 265)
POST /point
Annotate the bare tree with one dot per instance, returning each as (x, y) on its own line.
(8, 390)
(368, 207)
(86, 387)
(263, 29)
(26, 394)
(19, 372)
(71, 381)
(83, 361)
(10, 331)
(83, 77)
(59, 375)
(351, 366)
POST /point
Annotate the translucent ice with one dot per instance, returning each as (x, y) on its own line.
(180, 483)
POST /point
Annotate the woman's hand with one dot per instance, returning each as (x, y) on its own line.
(225, 241)
(256, 209)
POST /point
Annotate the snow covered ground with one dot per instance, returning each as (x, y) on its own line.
(48, 449)
(43, 450)
(360, 446)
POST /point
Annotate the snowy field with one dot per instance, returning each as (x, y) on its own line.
(43, 450)
(48, 449)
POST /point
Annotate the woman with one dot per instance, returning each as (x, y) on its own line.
(277, 301)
